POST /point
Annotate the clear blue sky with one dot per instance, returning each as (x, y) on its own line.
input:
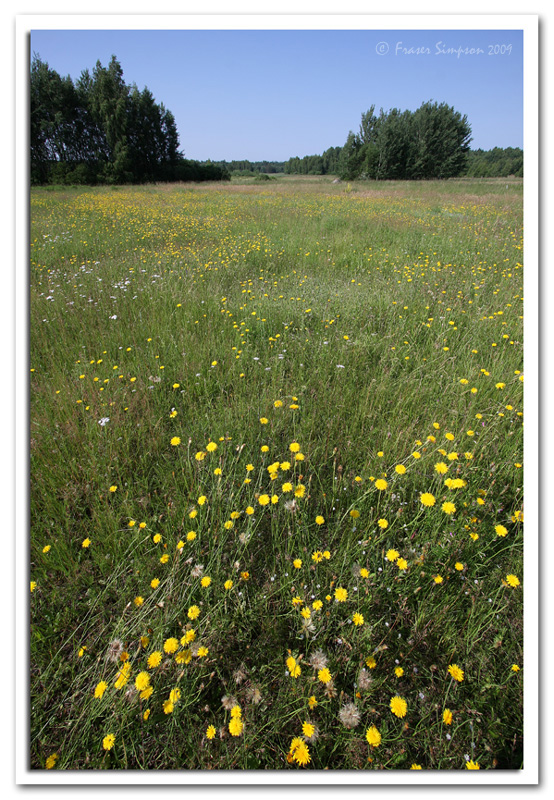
(274, 94)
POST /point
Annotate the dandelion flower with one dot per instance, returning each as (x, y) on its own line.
(373, 736)
(501, 530)
(175, 441)
(358, 619)
(398, 671)
(171, 645)
(168, 707)
(100, 689)
(398, 706)
(294, 447)
(427, 499)
(108, 741)
(416, 766)
(472, 765)
(513, 581)
(324, 675)
(210, 732)
(383, 524)
(235, 726)
(447, 716)
(211, 446)
(142, 681)
(457, 673)
(341, 594)
(441, 467)
(308, 729)
(113, 488)
(392, 555)
(51, 761)
(300, 752)
(263, 499)
(381, 484)
(154, 659)
(448, 508)
(228, 585)
(86, 543)
(402, 564)
(400, 469)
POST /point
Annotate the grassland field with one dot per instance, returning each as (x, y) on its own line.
(276, 463)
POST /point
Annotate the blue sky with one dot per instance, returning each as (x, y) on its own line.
(274, 94)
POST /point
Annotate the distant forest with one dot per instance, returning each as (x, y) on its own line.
(98, 130)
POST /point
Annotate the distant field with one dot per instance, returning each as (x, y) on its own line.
(276, 445)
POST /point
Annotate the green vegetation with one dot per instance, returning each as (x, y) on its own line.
(276, 476)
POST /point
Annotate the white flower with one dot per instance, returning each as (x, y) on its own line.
(103, 421)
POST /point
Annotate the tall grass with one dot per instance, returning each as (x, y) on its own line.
(260, 386)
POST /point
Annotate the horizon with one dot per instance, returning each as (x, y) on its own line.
(272, 95)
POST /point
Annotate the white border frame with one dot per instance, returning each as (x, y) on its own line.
(529, 775)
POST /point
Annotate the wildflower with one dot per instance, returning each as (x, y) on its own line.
(249, 510)
(205, 582)
(263, 499)
(398, 671)
(392, 555)
(228, 585)
(51, 761)
(501, 530)
(341, 594)
(447, 716)
(398, 706)
(472, 765)
(370, 662)
(235, 726)
(515, 668)
(154, 583)
(86, 543)
(427, 499)
(211, 447)
(441, 467)
(100, 689)
(402, 564)
(358, 619)
(513, 581)
(108, 741)
(318, 660)
(191, 535)
(354, 513)
(381, 484)
(312, 701)
(400, 469)
(138, 601)
(164, 559)
(142, 681)
(448, 508)
(210, 732)
(157, 538)
(294, 447)
(383, 524)
(458, 566)
(324, 675)
(317, 556)
(297, 563)
(175, 441)
(308, 730)
(293, 667)
(171, 645)
(457, 673)
(122, 676)
(415, 766)
(46, 548)
(319, 520)
(154, 659)
(33, 586)
(168, 707)
(373, 736)
(300, 752)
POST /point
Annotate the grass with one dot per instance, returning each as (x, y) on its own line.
(239, 395)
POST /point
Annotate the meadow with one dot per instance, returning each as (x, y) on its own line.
(276, 457)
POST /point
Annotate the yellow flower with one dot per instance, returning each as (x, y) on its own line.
(392, 555)
(193, 612)
(373, 736)
(381, 484)
(501, 530)
(86, 543)
(319, 520)
(427, 499)
(228, 585)
(402, 564)
(211, 446)
(205, 582)
(448, 508)
(100, 689)
(210, 732)
(472, 765)
(457, 673)
(171, 645)
(297, 563)
(447, 716)
(108, 741)
(513, 581)
(400, 469)
(398, 706)
(113, 488)
(382, 523)
(441, 467)
(263, 499)
(294, 447)
(175, 441)
(358, 619)
(324, 675)
(341, 594)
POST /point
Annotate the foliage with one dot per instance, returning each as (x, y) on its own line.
(99, 130)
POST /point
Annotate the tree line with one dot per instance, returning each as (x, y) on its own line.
(431, 142)
(99, 130)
